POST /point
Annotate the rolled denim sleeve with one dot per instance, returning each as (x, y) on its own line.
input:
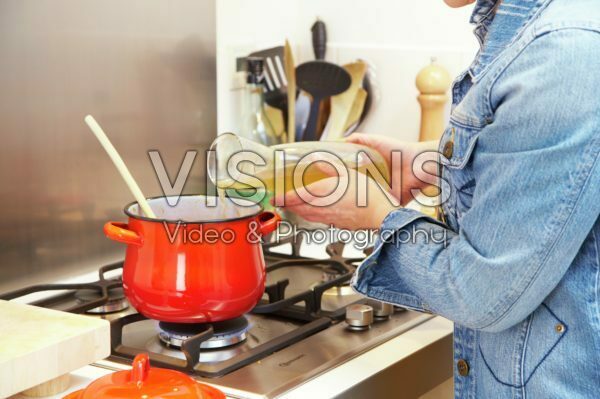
(537, 196)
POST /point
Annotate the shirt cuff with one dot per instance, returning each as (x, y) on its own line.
(374, 279)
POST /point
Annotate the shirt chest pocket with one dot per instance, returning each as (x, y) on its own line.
(457, 147)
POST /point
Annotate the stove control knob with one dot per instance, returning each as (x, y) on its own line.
(359, 317)
(382, 310)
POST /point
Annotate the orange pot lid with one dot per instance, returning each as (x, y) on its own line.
(146, 382)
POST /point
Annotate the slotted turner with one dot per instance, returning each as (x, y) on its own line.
(321, 80)
(276, 82)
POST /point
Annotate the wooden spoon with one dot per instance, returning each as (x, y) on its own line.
(121, 167)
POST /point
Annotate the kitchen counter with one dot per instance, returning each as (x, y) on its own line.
(414, 362)
(347, 378)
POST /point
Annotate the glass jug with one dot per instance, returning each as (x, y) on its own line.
(238, 163)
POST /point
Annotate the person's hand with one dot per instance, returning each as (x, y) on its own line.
(319, 202)
(425, 165)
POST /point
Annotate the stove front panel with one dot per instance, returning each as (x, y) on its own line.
(298, 363)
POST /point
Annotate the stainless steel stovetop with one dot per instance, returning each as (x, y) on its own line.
(297, 332)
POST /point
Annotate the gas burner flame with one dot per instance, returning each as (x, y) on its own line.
(225, 333)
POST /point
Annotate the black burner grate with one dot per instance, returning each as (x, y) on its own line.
(79, 297)
(311, 298)
(303, 307)
(191, 348)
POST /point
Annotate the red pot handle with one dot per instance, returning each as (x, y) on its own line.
(120, 232)
(267, 222)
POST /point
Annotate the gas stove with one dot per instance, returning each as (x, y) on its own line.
(308, 322)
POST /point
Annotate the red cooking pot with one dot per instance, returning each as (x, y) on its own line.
(194, 263)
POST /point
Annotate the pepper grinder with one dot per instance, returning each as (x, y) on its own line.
(433, 83)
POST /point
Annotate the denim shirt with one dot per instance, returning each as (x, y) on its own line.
(516, 264)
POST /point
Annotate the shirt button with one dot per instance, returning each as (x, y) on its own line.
(463, 367)
(448, 149)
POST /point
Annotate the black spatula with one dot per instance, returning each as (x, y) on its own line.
(320, 79)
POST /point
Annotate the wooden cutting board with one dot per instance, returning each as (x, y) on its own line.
(38, 345)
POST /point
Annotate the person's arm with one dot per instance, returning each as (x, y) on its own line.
(537, 173)
(415, 156)
(322, 202)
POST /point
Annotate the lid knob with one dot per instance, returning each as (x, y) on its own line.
(140, 367)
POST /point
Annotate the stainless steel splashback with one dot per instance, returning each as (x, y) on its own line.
(144, 69)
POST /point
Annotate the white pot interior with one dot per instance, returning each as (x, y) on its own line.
(198, 208)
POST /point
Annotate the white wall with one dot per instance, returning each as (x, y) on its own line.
(397, 37)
